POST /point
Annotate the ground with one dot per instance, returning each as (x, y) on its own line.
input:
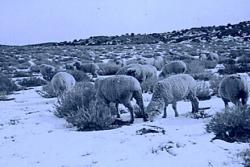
(31, 135)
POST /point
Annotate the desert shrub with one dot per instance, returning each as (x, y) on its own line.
(18, 74)
(34, 69)
(7, 85)
(78, 108)
(32, 81)
(231, 125)
(210, 64)
(246, 157)
(214, 83)
(195, 66)
(24, 65)
(226, 61)
(47, 72)
(47, 91)
(79, 76)
(86, 119)
(243, 59)
(235, 68)
(203, 91)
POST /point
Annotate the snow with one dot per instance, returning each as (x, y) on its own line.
(31, 135)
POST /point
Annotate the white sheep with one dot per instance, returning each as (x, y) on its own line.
(170, 91)
(119, 89)
(91, 68)
(145, 74)
(109, 68)
(62, 82)
(234, 88)
(174, 67)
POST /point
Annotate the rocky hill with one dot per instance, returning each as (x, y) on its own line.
(199, 34)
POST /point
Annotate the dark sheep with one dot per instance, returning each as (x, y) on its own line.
(234, 89)
(120, 89)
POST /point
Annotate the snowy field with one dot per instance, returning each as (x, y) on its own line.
(31, 136)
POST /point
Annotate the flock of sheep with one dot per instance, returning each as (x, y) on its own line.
(169, 87)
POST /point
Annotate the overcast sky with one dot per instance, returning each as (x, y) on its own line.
(36, 21)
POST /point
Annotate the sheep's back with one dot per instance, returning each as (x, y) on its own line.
(233, 87)
(116, 87)
(179, 86)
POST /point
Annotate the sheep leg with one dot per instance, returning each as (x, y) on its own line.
(165, 111)
(130, 108)
(117, 110)
(195, 103)
(174, 106)
(225, 102)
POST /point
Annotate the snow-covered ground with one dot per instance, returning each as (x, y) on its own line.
(31, 136)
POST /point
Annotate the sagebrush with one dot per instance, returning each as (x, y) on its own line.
(231, 125)
(78, 107)
(32, 81)
(7, 85)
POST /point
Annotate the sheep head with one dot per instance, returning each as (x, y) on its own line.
(154, 108)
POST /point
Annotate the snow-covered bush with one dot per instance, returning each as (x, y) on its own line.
(6, 84)
(231, 125)
(203, 91)
(18, 74)
(47, 71)
(78, 108)
(246, 157)
(34, 69)
(32, 81)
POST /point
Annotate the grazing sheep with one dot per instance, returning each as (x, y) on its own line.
(170, 91)
(87, 67)
(174, 67)
(62, 82)
(234, 89)
(69, 67)
(209, 56)
(108, 68)
(47, 71)
(156, 61)
(145, 74)
(117, 61)
(119, 89)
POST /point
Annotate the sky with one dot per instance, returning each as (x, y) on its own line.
(36, 21)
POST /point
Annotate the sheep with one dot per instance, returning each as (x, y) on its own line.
(170, 91)
(109, 68)
(156, 61)
(87, 67)
(145, 74)
(234, 88)
(119, 89)
(211, 56)
(174, 67)
(62, 82)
